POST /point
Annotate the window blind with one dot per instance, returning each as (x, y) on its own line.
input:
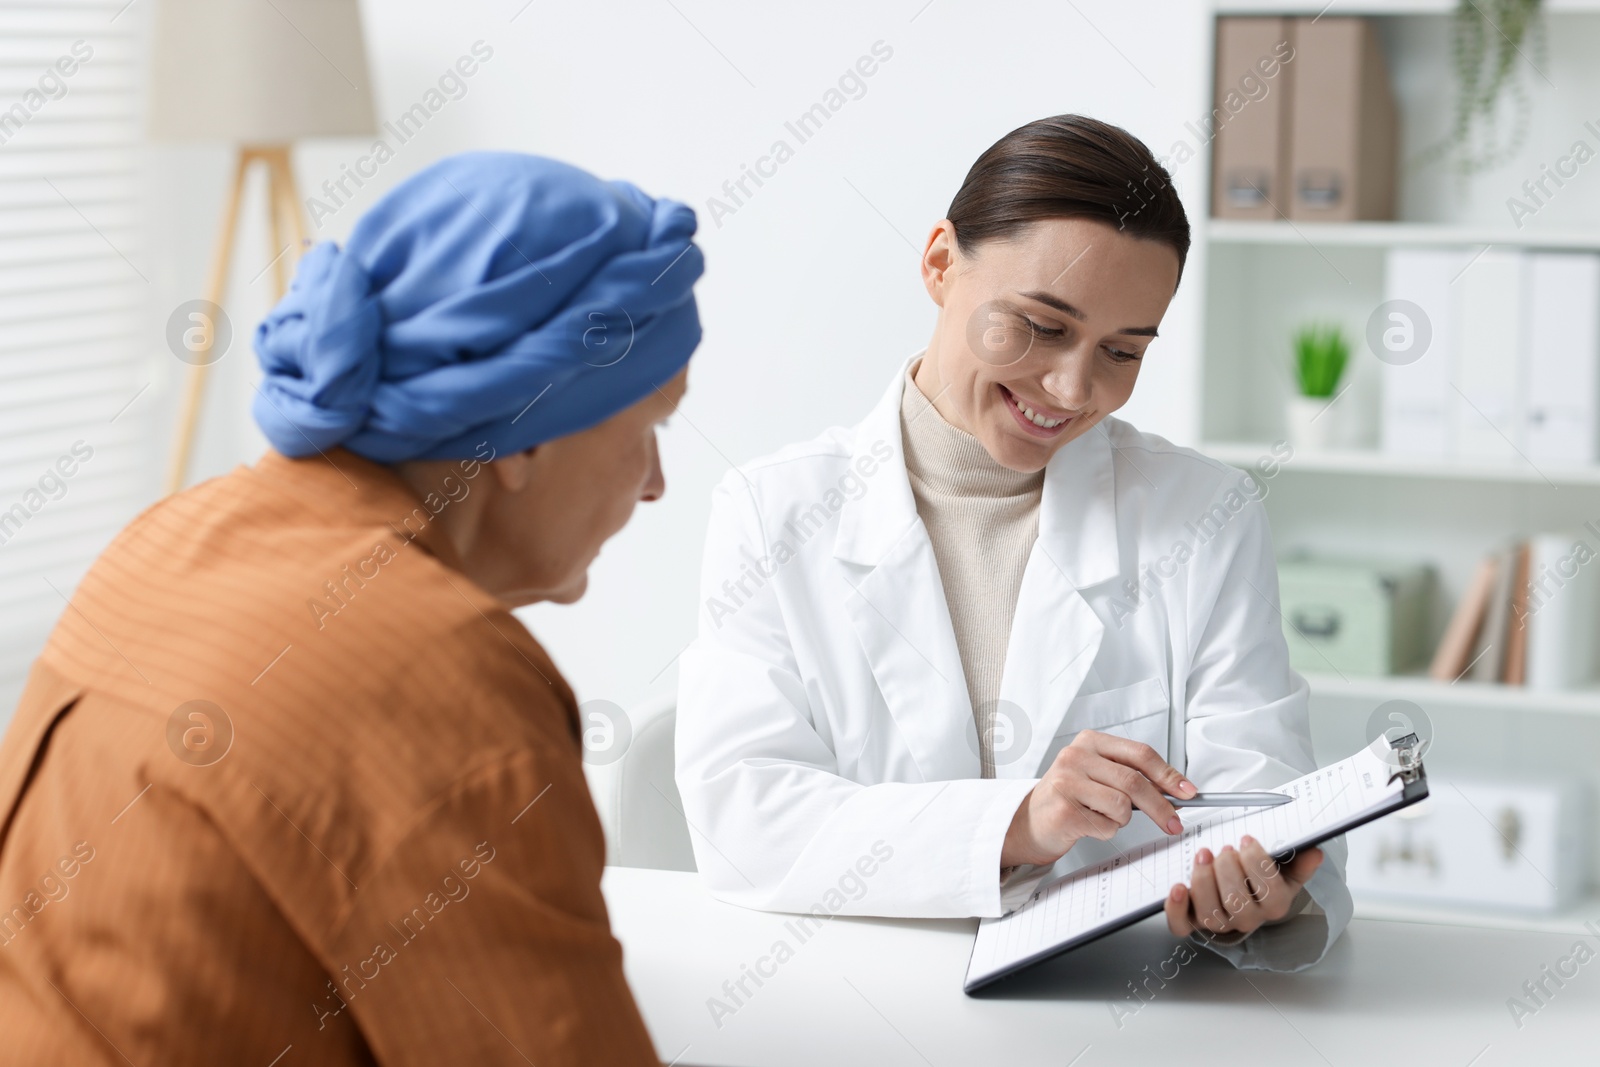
(75, 436)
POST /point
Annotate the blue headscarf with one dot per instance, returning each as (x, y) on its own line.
(494, 298)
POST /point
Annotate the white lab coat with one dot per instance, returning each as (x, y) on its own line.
(823, 716)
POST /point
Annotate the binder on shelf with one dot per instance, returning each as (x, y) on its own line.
(1343, 130)
(1488, 411)
(1563, 609)
(1250, 150)
(1093, 901)
(1561, 305)
(1418, 401)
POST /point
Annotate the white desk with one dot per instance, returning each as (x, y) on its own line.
(876, 991)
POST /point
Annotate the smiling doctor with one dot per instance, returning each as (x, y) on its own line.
(961, 644)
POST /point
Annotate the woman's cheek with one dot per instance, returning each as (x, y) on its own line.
(632, 477)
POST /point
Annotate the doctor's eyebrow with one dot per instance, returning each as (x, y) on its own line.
(1067, 309)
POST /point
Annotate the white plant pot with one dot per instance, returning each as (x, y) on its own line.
(1313, 423)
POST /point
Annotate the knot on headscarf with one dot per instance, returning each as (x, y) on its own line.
(493, 299)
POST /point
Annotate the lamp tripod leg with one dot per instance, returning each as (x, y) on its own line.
(216, 285)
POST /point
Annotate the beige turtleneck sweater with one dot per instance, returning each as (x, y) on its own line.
(982, 519)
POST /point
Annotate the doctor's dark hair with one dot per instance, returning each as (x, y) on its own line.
(1065, 167)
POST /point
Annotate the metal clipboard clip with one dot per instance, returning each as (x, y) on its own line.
(1408, 750)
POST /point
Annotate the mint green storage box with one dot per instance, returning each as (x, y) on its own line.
(1355, 616)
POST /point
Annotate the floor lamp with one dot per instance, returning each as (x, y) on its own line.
(263, 75)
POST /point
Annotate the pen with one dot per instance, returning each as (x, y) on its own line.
(1232, 800)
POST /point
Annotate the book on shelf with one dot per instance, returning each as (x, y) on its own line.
(1515, 672)
(1529, 616)
(1454, 653)
(1489, 653)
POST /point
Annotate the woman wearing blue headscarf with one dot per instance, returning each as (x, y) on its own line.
(289, 780)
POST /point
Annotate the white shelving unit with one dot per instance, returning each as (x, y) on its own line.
(1386, 234)
(1263, 279)
(1372, 462)
(1375, 7)
(1567, 921)
(1462, 694)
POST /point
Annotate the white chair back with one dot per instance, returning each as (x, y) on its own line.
(637, 797)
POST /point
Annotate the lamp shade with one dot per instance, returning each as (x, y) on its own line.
(258, 71)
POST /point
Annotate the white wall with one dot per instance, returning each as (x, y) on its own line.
(811, 296)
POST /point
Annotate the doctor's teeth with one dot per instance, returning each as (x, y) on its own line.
(1037, 419)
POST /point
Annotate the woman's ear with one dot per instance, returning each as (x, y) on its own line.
(514, 472)
(938, 259)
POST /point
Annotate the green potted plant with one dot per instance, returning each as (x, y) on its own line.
(1320, 354)
(1492, 41)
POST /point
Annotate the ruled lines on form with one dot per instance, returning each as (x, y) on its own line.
(1106, 895)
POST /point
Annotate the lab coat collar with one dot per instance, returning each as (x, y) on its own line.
(1077, 512)
(874, 522)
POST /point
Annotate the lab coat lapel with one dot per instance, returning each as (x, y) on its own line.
(897, 606)
(1055, 634)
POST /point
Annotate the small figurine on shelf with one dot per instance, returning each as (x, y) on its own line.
(1321, 352)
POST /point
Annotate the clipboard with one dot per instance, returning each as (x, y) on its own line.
(1092, 902)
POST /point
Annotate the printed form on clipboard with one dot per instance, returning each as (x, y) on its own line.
(1385, 776)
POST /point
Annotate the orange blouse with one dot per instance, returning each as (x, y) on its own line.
(285, 787)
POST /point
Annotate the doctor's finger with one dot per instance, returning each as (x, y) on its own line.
(1177, 909)
(1260, 870)
(1298, 871)
(1205, 904)
(1140, 790)
(1069, 818)
(1144, 759)
(1275, 886)
(1243, 908)
(1100, 808)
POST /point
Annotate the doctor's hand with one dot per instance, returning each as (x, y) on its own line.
(1238, 890)
(1091, 790)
